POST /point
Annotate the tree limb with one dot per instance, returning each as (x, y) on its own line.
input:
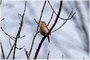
(2, 50)
(55, 12)
(37, 29)
(19, 31)
(18, 35)
(40, 44)
(69, 17)
(50, 18)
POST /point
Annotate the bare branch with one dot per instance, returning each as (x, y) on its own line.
(22, 36)
(19, 15)
(69, 17)
(0, 2)
(37, 29)
(13, 38)
(36, 21)
(50, 18)
(81, 27)
(2, 50)
(2, 19)
(32, 44)
(55, 12)
(16, 47)
(19, 31)
(10, 42)
(48, 55)
(40, 44)
(83, 58)
(17, 36)
(26, 52)
(10, 51)
(62, 57)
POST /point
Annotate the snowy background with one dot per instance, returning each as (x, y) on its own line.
(71, 40)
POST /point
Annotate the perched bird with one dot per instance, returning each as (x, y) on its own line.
(44, 29)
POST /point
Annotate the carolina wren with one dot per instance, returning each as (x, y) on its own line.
(44, 29)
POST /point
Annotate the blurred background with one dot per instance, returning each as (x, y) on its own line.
(71, 41)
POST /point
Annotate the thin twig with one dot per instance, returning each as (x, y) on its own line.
(26, 52)
(19, 15)
(69, 17)
(19, 31)
(13, 38)
(83, 58)
(16, 47)
(81, 27)
(10, 52)
(32, 44)
(2, 50)
(0, 2)
(36, 21)
(2, 19)
(48, 55)
(22, 36)
(55, 12)
(50, 18)
(37, 29)
(10, 42)
(40, 44)
(62, 57)
(17, 36)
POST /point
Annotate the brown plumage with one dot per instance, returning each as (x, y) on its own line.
(44, 29)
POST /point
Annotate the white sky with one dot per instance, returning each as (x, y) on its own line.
(60, 44)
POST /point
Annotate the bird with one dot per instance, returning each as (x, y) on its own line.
(44, 29)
